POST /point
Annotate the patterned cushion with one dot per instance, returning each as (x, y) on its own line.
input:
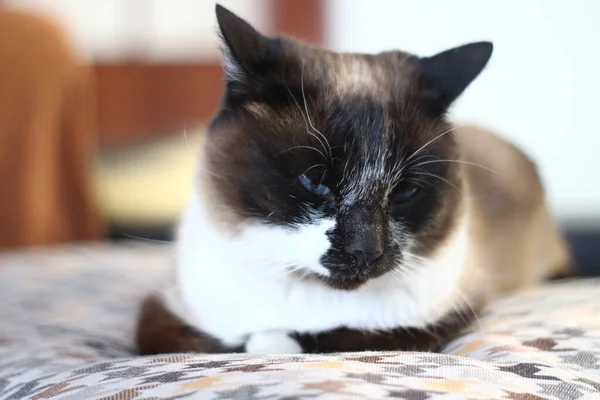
(67, 314)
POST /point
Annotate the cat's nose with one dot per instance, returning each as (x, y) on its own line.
(363, 257)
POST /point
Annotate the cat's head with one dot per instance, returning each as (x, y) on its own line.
(348, 157)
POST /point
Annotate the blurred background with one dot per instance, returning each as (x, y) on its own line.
(102, 102)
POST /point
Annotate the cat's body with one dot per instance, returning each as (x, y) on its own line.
(336, 209)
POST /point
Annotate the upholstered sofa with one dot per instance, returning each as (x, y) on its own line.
(67, 314)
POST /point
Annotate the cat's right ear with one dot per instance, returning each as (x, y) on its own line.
(446, 75)
(247, 52)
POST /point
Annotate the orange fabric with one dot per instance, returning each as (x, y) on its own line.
(47, 136)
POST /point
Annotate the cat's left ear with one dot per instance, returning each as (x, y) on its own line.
(247, 52)
(446, 75)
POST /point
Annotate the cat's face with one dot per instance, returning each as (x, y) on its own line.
(349, 154)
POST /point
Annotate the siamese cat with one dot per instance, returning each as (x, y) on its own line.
(336, 208)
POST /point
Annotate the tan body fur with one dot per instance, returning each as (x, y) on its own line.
(514, 240)
(336, 209)
(514, 244)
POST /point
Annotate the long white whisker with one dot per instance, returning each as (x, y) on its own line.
(213, 174)
(412, 162)
(442, 179)
(306, 120)
(302, 147)
(308, 115)
(314, 166)
(431, 141)
(459, 162)
(146, 239)
(468, 304)
(418, 182)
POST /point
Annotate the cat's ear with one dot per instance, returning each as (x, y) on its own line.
(247, 52)
(446, 75)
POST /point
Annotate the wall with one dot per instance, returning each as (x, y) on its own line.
(541, 89)
(157, 62)
(155, 30)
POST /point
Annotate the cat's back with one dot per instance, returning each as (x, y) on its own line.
(516, 239)
(503, 178)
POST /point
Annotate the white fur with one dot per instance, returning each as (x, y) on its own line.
(362, 179)
(233, 70)
(235, 286)
(272, 342)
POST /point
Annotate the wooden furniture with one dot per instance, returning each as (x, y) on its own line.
(47, 136)
(139, 99)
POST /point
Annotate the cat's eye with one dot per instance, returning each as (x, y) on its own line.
(316, 188)
(406, 192)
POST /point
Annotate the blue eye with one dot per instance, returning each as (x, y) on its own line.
(319, 190)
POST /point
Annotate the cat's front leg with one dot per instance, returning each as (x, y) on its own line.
(160, 331)
(434, 337)
(272, 342)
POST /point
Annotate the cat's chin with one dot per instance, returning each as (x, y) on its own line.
(345, 283)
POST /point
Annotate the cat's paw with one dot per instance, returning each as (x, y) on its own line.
(278, 342)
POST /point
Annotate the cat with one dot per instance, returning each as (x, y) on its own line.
(336, 208)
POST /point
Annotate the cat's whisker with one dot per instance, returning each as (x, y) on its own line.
(213, 174)
(419, 182)
(314, 166)
(421, 157)
(431, 141)
(400, 276)
(301, 147)
(460, 162)
(345, 173)
(306, 120)
(323, 177)
(412, 163)
(442, 179)
(414, 257)
(397, 176)
(410, 333)
(279, 267)
(307, 113)
(146, 239)
(410, 272)
(408, 267)
(468, 304)
(430, 331)
(460, 313)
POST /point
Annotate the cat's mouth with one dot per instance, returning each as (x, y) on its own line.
(340, 281)
(350, 283)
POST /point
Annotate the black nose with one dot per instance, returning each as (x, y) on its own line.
(363, 257)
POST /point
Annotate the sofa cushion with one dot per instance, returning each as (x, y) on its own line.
(66, 327)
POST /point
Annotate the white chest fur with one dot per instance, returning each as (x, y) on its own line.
(233, 287)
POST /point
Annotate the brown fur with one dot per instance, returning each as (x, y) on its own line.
(368, 104)
(431, 339)
(160, 332)
(512, 233)
(514, 236)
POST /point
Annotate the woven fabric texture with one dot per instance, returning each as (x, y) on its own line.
(67, 316)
